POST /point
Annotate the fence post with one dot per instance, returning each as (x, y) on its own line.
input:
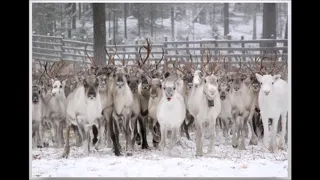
(165, 46)
(243, 46)
(229, 46)
(62, 47)
(216, 45)
(187, 45)
(137, 50)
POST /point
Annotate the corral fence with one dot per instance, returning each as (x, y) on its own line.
(55, 48)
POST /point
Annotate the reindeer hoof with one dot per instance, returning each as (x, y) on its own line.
(234, 145)
(39, 146)
(118, 153)
(94, 140)
(253, 141)
(199, 154)
(155, 143)
(242, 147)
(145, 146)
(129, 153)
(45, 144)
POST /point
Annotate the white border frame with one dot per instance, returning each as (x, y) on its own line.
(166, 1)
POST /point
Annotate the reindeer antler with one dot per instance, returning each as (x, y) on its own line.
(110, 57)
(148, 48)
(90, 58)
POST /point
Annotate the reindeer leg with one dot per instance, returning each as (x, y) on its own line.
(199, 138)
(244, 125)
(211, 148)
(40, 132)
(253, 127)
(108, 116)
(274, 128)
(235, 129)
(132, 135)
(143, 127)
(283, 130)
(138, 131)
(162, 143)
(265, 122)
(66, 151)
(115, 133)
(53, 132)
(173, 139)
(225, 123)
(59, 134)
(101, 137)
(77, 135)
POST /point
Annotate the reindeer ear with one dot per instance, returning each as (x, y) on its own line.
(276, 77)
(64, 82)
(258, 76)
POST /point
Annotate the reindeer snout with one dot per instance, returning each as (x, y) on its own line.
(190, 85)
(222, 96)
(91, 94)
(236, 88)
(53, 93)
(266, 92)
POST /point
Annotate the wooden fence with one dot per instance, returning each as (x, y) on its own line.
(52, 48)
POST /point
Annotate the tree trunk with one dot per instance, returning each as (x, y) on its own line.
(226, 18)
(139, 24)
(151, 18)
(73, 16)
(286, 31)
(254, 21)
(99, 33)
(114, 27)
(125, 19)
(161, 10)
(172, 22)
(269, 21)
(79, 10)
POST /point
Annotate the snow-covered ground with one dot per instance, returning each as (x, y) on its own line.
(229, 162)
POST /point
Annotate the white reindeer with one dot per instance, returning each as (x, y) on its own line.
(273, 103)
(83, 110)
(121, 115)
(171, 112)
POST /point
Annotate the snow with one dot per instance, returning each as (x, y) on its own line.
(229, 162)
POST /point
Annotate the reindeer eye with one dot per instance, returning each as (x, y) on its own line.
(228, 89)
(137, 81)
(39, 92)
(60, 86)
(174, 88)
(164, 88)
(205, 81)
(261, 83)
(272, 83)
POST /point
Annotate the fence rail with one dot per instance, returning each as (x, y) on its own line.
(52, 48)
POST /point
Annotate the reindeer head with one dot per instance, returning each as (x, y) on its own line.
(155, 89)
(267, 82)
(57, 86)
(236, 79)
(223, 88)
(36, 93)
(255, 84)
(133, 82)
(197, 78)
(169, 88)
(120, 77)
(188, 79)
(91, 86)
(211, 88)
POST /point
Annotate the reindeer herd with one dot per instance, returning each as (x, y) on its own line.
(101, 102)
